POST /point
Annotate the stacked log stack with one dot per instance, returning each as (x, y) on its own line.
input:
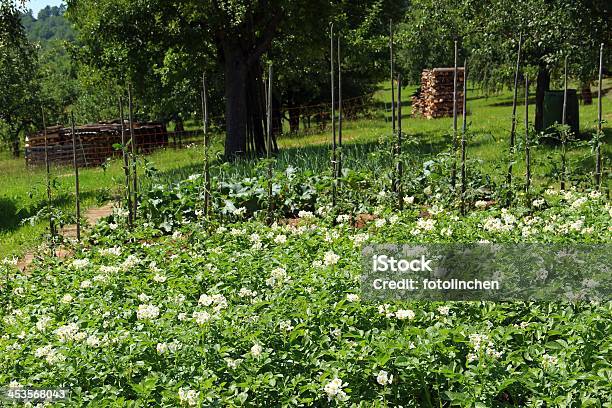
(435, 99)
(94, 143)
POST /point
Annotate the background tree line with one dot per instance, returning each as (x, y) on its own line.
(80, 57)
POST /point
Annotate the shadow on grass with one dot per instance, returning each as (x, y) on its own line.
(316, 158)
(12, 215)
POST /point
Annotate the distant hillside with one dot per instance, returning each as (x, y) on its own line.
(49, 25)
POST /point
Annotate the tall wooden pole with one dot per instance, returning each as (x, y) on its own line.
(76, 180)
(339, 167)
(463, 138)
(454, 168)
(392, 75)
(564, 133)
(269, 149)
(126, 164)
(514, 103)
(599, 123)
(206, 145)
(392, 63)
(333, 116)
(134, 151)
(48, 178)
(400, 167)
(527, 141)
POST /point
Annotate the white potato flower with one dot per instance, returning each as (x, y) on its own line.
(80, 263)
(189, 397)
(147, 312)
(256, 350)
(330, 258)
(334, 390)
(404, 314)
(383, 378)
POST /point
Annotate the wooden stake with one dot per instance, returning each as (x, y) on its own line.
(76, 180)
(564, 133)
(454, 168)
(134, 157)
(333, 116)
(527, 147)
(126, 165)
(463, 139)
(48, 179)
(400, 168)
(514, 103)
(339, 167)
(269, 149)
(392, 76)
(599, 123)
(206, 144)
(391, 59)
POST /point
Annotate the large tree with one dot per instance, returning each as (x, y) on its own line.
(144, 41)
(17, 73)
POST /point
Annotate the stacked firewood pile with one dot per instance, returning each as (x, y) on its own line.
(94, 143)
(435, 99)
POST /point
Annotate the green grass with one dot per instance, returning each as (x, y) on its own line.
(22, 190)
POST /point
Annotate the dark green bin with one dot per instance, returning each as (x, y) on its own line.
(553, 109)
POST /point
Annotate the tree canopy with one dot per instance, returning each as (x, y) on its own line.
(488, 33)
(80, 57)
(176, 42)
(17, 73)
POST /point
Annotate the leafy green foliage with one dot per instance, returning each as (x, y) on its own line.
(17, 74)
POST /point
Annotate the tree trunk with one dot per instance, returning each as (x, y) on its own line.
(256, 111)
(294, 119)
(586, 94)
(16, 150)
(542, 85)
(235, 70)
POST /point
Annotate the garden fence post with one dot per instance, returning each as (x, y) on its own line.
(333, 115)
(527, 147)
(564, 132)
(206, 143)
(48, 178)
(339, 167)
(391, 60)
(269, 149)
(134, 153)
(126, 165)
(599, 123)
(454, 163)
(76, 179)
(400, 167)
(514, 103)
(463, 138)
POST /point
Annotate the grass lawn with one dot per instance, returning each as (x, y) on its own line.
(22, 190)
